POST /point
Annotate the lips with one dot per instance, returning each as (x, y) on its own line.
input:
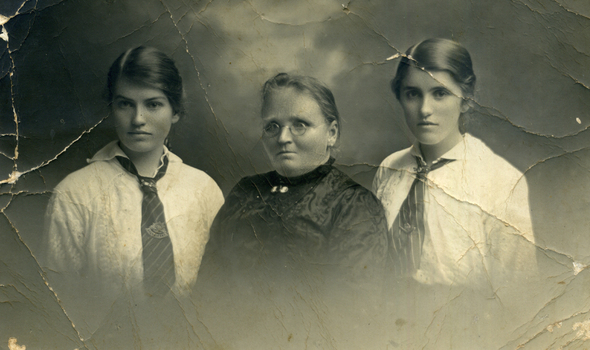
(138, 133)
(284, 153)
(427, 124)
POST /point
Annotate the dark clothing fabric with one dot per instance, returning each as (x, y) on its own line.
(323, 218)
(305, 248)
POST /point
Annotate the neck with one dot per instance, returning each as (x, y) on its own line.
(289, 173)
(434, 152)
(145, 163)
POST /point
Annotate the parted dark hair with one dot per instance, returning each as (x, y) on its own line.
(438, 54)
(150, 67)
(316, 89)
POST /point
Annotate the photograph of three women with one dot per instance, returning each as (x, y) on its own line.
(452, 240)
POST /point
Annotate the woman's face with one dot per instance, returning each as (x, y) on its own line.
(288, 110)
(143, 117)
(432, 105)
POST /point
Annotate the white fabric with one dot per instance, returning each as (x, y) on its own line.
(93, 234)
(477, 214)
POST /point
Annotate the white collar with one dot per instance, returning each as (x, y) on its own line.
(112, 150)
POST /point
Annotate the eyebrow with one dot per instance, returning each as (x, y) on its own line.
(292, 119)
(409, 87)
(298, 118)
(130, 99)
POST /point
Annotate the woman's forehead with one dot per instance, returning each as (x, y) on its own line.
(427, 80)
(133, 90)
(289, 103)
(288, 94)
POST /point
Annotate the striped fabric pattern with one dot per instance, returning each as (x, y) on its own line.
(409, 228)
(158, 256)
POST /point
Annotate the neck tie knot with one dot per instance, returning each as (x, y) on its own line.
(148, 186)
(422, 169)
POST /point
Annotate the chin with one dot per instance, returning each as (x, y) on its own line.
(430, 141)
(284, 167)
(139, 148)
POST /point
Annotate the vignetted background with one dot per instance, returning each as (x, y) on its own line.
(531, 58)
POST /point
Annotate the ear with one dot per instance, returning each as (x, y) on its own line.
(332, 133)
(175, 118)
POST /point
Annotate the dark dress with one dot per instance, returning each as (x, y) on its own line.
(287, 251)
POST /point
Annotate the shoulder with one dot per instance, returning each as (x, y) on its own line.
(393, 166)
(500, 187)
(244, 193)
(486, 161)
(195, 190)
(361, 199)
(358, 223)
(245, 190)
(349, 192)
(252, 184)
(82, 187)
(399, 159)
(86, 178)
(102, 167)
(492, 180)
(190, 177)
(189, 173)
(340, 180)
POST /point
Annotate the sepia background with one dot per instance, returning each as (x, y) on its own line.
(531, 58)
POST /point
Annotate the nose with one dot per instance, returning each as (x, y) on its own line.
(426, 107)
(285, 135)
(139, 116)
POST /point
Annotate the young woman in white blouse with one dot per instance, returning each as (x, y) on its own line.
(133, 224)
(458, 213)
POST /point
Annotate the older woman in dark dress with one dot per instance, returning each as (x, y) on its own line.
(300, 248)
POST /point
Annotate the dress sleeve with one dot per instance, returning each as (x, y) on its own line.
(213, 200)
(512, 250)
(65, 220)
(66, 261)
(230, 206)
(214, 262)
(517, 211)
(359, 236)
(357, 250)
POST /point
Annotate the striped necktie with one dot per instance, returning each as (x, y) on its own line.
(409, 228)
(158, 256)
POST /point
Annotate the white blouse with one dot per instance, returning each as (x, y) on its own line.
(93, 229)
(478, 222)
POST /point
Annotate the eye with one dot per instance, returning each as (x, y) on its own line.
(299, 128)
(300, 125)
(154, 104)
(411, 94)
(121, 104)
(441, 93)
(271, 128)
